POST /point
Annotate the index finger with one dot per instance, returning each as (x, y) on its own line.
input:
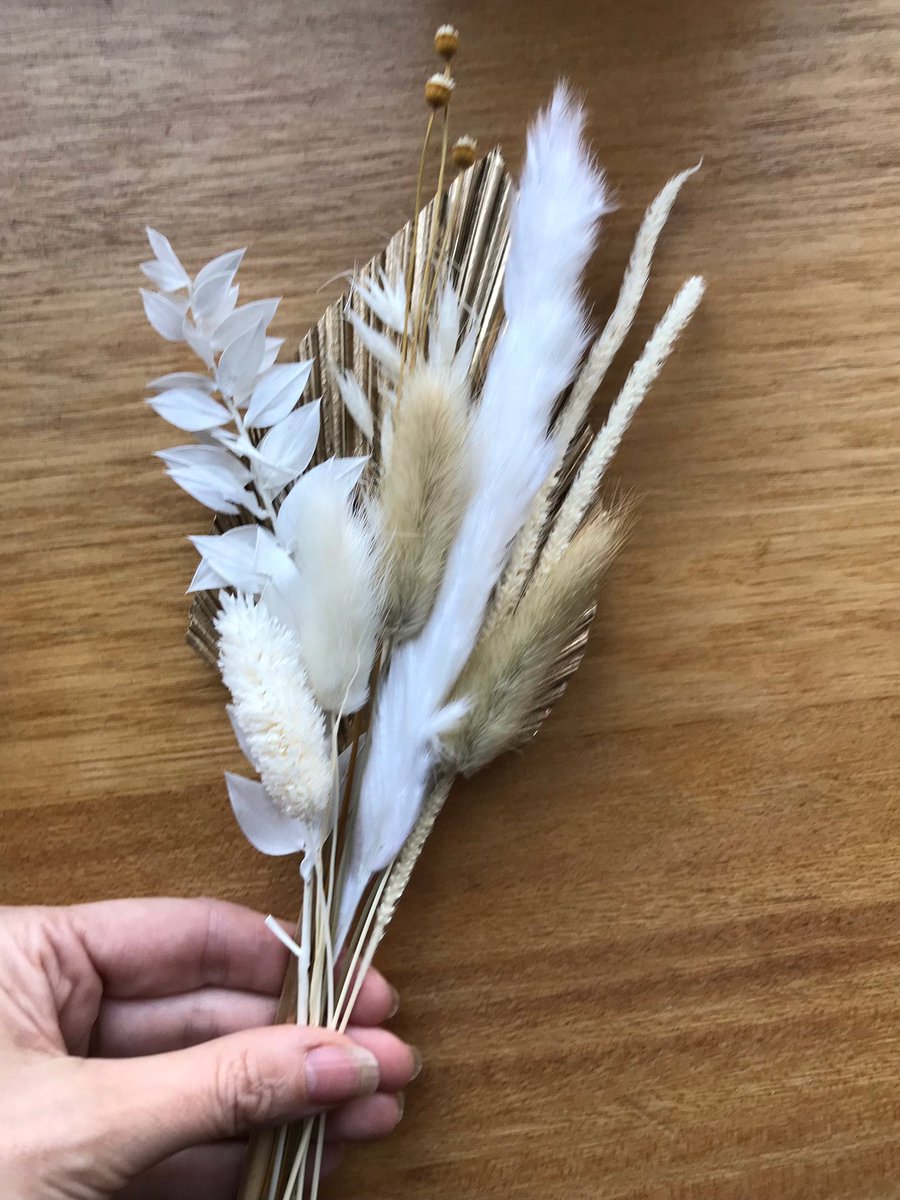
(159, 947)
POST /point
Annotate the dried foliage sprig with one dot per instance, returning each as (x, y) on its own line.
(409, 535)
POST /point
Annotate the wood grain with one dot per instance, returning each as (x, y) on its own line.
(659, 957)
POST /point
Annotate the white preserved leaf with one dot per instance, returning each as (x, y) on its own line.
(211, 296)
(265, 826)
(199, 343)
(224, 264)
(210, 474)
(356, 402)
(273, 345)
(165, 277)
(212, 458)
(242, 319)
(210, 494)
(285, 451)
(342, 473)
(165, 314)
(241, 361)
(182, 379)
(205, 579)
(166, 257)
(246, 558)
(190, 409)
(276, 394)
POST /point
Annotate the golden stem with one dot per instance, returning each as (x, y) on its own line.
(411, 269)
(424, 306)
(444, 252)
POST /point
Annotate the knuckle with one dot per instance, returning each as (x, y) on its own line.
(244, 1096)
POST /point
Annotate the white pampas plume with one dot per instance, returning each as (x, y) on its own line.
(274, 712)
(335, 600)
(640, 378)
(553, 229)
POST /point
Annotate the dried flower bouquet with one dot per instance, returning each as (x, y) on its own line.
(409, 534)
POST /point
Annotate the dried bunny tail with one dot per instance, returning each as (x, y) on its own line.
(574, 412)
(516, 664)
(274, 709)
(584, 489)
(336, 601)
(422, 494)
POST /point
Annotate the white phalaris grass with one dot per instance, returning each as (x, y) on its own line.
(280, 725)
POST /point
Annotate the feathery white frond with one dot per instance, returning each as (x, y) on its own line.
(383, 349)
(355, 401)
(386, 300)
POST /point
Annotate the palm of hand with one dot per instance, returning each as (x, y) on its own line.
(136, 1047)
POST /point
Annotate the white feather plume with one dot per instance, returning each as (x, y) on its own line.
(334, 601)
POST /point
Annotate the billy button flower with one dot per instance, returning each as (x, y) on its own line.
(446, 42)
(464, 152)
(438, 90)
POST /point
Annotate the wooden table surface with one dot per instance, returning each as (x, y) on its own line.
(659, 955)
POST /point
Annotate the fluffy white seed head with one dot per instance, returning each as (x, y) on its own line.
(275, 713)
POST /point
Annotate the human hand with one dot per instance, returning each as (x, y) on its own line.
(136, 1048)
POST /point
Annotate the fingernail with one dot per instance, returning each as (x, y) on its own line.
(417, 1062)
(401, 1104)
(395, 1003)
(335, 1073)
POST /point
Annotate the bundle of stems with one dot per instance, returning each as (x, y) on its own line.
(387, 620)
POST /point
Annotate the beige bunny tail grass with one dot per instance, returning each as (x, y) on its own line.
(583, 492)
(521, 665)
(422, 493)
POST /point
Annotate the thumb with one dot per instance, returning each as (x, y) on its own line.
(152, 1107)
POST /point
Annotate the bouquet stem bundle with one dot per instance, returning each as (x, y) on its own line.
(409, 535)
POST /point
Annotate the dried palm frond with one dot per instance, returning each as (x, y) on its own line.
(516, 670)
(472, 220)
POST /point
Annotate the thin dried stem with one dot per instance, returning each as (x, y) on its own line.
(411, 269)
(425, 298)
